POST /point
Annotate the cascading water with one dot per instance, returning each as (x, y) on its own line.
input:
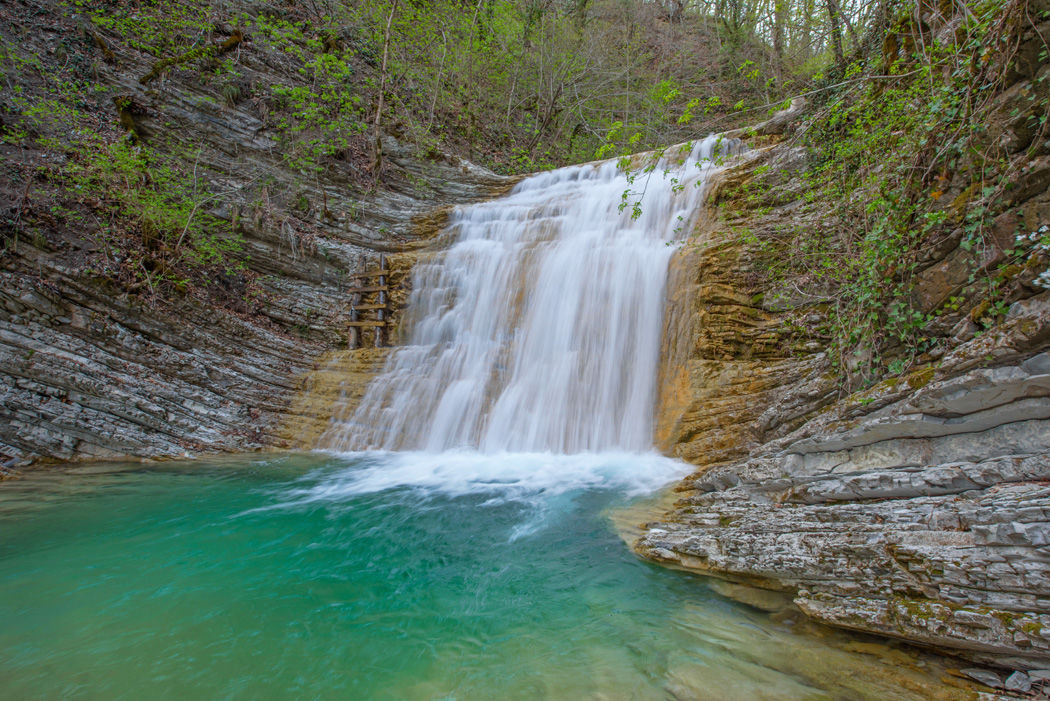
(538, 330)
(434, 571)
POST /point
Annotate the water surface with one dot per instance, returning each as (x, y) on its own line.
(383, 576)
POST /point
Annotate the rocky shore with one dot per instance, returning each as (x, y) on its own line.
(917, 508)
(924, 514)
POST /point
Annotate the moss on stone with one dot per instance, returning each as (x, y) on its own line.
(163, 65)
(921, 611)
(1009, 272)
(1032, 628)
(1005, 617)
(959, 204)
(920, 378)
(980, 310)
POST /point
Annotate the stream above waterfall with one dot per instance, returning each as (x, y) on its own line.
(385, 576)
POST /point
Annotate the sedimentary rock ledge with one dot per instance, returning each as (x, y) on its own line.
(917, 509)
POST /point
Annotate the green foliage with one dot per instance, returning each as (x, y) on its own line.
(323, 110)
(515, 84)
(162, 200)
(156, 27)
(881, 155)
(145, 209)
(520, 85)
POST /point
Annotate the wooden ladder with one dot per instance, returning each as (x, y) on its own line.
(358, 304)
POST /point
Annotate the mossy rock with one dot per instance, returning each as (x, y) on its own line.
(978, 312)
(920, 378)
(959, 204)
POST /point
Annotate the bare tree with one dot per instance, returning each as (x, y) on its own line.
(835, 30)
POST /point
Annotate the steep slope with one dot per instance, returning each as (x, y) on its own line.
(118, 339)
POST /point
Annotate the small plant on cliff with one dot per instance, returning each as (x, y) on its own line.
(322, 113)
(160, 207)
(155, 27)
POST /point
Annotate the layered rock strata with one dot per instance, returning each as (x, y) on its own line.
(918, 508)
(89, 371)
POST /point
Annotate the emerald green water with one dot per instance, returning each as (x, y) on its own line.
(379, 577)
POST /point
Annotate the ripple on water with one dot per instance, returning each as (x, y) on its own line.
(382, 576)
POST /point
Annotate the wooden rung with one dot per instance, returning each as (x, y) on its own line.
(374, 288)
(366, 323)
(375, 273)
(367, 307)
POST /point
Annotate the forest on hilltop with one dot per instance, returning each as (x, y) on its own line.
(90, 89)
(517, 85)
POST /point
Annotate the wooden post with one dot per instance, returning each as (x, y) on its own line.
(381, 312)
(353, 332)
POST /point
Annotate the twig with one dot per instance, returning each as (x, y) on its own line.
(152, 292)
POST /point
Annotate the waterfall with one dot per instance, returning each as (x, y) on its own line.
(538, 329)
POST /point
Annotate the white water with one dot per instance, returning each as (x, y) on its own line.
(538, 330)
(536, 482)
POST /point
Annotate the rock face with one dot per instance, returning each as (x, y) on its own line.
(332, 391)
(89, 371)
(86, 373)
(918, 508)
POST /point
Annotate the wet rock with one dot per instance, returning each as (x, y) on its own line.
(339, 383)
(763, 599)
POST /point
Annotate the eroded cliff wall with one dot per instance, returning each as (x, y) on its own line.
(916, 507)
(94, 367)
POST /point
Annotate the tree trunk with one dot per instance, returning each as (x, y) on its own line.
(854, 41)
(835, 30)
(377, 148)
(780, 13)
(802, 47)
(470, 87)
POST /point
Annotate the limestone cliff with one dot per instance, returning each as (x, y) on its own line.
(916, 507)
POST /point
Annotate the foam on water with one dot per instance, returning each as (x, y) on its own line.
(538, 330)
(504, 476)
